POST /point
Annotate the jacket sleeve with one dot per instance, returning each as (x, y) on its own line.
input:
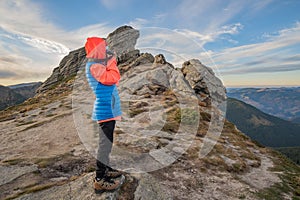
(108, 75)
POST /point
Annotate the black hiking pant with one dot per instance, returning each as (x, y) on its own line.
(106, 137)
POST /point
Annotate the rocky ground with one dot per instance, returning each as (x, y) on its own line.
(42, 157)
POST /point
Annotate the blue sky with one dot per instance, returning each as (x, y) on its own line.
(251, 42)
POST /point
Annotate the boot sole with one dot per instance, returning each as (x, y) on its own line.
(99, 191)
(121, 183)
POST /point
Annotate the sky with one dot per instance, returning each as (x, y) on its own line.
(246, 42)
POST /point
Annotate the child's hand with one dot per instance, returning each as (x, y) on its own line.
(97, 70)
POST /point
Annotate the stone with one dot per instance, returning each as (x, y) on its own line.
(123, 40)
(133, 59)
(203, 80)
(149, 188)
(160, 58)
(9, 173)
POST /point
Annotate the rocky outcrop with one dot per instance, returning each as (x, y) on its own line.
(204, 81)
(122, 41)
(160, 59)
(135, 59)
(67, 69)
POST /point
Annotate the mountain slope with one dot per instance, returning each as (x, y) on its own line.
(296, 120)
(9, 97)
(264, 128)
(27, 90)
(16, 94)
(292, 153)
(47, 149)
(280, 102)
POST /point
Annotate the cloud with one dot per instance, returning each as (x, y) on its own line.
(277, 53)
(14, 60)
(45, 45)
(25, 20)
(208, 21)
(202, 39)
(30, 42)
(259, 5)
(295, 58)
(37, 66)
(114, 4)
(12, 75)
(138, 23)
(23, 17)
(209, 16)
(285, 38)
(7, 74)
(259, 69)
(160, 17)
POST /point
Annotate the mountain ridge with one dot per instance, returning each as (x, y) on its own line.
(15, 94)
(9, 97)
(281, 102)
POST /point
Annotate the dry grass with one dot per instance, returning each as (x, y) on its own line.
(290, 178)
(14, 161)
(57, 92)
(49, 161)
(31, 189)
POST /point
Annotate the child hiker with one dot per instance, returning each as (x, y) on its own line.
(102, 74)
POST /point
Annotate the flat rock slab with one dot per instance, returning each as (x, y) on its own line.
(150, 189)
(11, 172)
(261, 177)
(81, 188)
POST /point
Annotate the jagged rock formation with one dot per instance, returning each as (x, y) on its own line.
(158, 135)
(160, 59)
(67, 68)
(123, 40)
(203, 81)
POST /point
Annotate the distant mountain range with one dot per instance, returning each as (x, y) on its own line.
(296, 120)
(16, 94)
(264, 128)
(280, 102)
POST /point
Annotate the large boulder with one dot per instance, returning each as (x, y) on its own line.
(204, 81)
(122, 41)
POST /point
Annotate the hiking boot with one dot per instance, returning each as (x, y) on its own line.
(112, 173)
(106, 185)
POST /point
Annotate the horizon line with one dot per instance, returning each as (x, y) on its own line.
(227, 86)
(259, 86)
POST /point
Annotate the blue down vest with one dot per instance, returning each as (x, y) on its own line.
(107, 104)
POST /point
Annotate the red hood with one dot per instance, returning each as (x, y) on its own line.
(95, 48)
